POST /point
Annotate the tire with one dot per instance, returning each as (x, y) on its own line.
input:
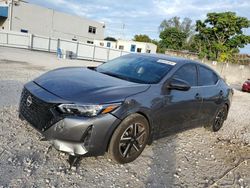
(219, 119)
(129, 139)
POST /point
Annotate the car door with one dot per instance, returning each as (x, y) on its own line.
(211, 93)
(181, 108)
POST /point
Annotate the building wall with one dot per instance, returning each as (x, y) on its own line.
(3, 22)
(125, 45)
(104, 43)
(47, 22)
(145, 47)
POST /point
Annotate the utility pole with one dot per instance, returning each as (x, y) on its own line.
(123, 33)
(11, 14)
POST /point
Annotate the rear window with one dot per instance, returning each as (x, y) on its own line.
(207, 77)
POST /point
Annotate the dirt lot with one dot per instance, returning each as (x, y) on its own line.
(195, 158)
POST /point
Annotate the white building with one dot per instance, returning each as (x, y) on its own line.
(128, 45)
(105, 43)
(29, 18)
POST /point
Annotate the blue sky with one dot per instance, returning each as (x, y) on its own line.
(124, 19)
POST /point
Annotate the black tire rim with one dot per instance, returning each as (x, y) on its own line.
(132, 140)
(219, 119)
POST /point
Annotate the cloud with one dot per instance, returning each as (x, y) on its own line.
(198, 9)
(143, 16)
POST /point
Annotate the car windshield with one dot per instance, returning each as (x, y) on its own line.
(135, 68)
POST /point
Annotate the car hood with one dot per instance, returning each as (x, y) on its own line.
(82, 85)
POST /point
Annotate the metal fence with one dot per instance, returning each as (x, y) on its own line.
(80, 50)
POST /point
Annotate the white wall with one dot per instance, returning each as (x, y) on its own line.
(41, 43)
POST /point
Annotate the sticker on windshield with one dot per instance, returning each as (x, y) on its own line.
(166, 62)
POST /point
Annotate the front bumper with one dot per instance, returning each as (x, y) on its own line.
(79, 136)
(72, 134)
(70, 147)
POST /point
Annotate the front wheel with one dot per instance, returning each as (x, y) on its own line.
(129, 139)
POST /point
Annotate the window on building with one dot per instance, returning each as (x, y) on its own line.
(148, 51)
(121, 47)
(132, 48)
(24, 31)
(139, 50)
(108, 44)
(90, 42)
(92, 29)
(101, 44)
(74, 39)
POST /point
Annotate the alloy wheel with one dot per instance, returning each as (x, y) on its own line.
(132, 140)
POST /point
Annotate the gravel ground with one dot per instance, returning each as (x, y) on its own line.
(194, 158)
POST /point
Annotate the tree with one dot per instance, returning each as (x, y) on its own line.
(110, 39)
(175, 34)
(142, 38)
(185, 26)
(221, 35)
(172, 38)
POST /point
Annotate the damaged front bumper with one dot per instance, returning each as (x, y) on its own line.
(72, 134)
(81, 136)
(70, 147)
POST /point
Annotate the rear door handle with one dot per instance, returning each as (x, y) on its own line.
(198, 96)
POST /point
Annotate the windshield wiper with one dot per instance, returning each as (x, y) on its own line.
(92, 68)
(115, 75)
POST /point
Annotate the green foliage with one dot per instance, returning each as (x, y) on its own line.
(185, 26)
(145, 38)
(220, 36)
(110, 39)
(175, 34)
(142, 38)
(172, 38)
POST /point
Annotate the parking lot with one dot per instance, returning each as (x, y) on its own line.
(194, 158)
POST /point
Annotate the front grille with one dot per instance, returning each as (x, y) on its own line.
(37, 112)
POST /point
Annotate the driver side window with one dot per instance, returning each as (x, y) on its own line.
(187, 73)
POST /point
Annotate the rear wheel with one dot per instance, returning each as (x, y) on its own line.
(219, 119)
(129, 139)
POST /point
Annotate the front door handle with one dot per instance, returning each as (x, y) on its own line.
(198, 96)
(221, 93)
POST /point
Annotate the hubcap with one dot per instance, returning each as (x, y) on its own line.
(132, 140)
(219, 119)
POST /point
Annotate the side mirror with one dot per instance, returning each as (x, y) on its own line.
(178, 84)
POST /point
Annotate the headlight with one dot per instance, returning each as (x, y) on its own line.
(87, 110)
